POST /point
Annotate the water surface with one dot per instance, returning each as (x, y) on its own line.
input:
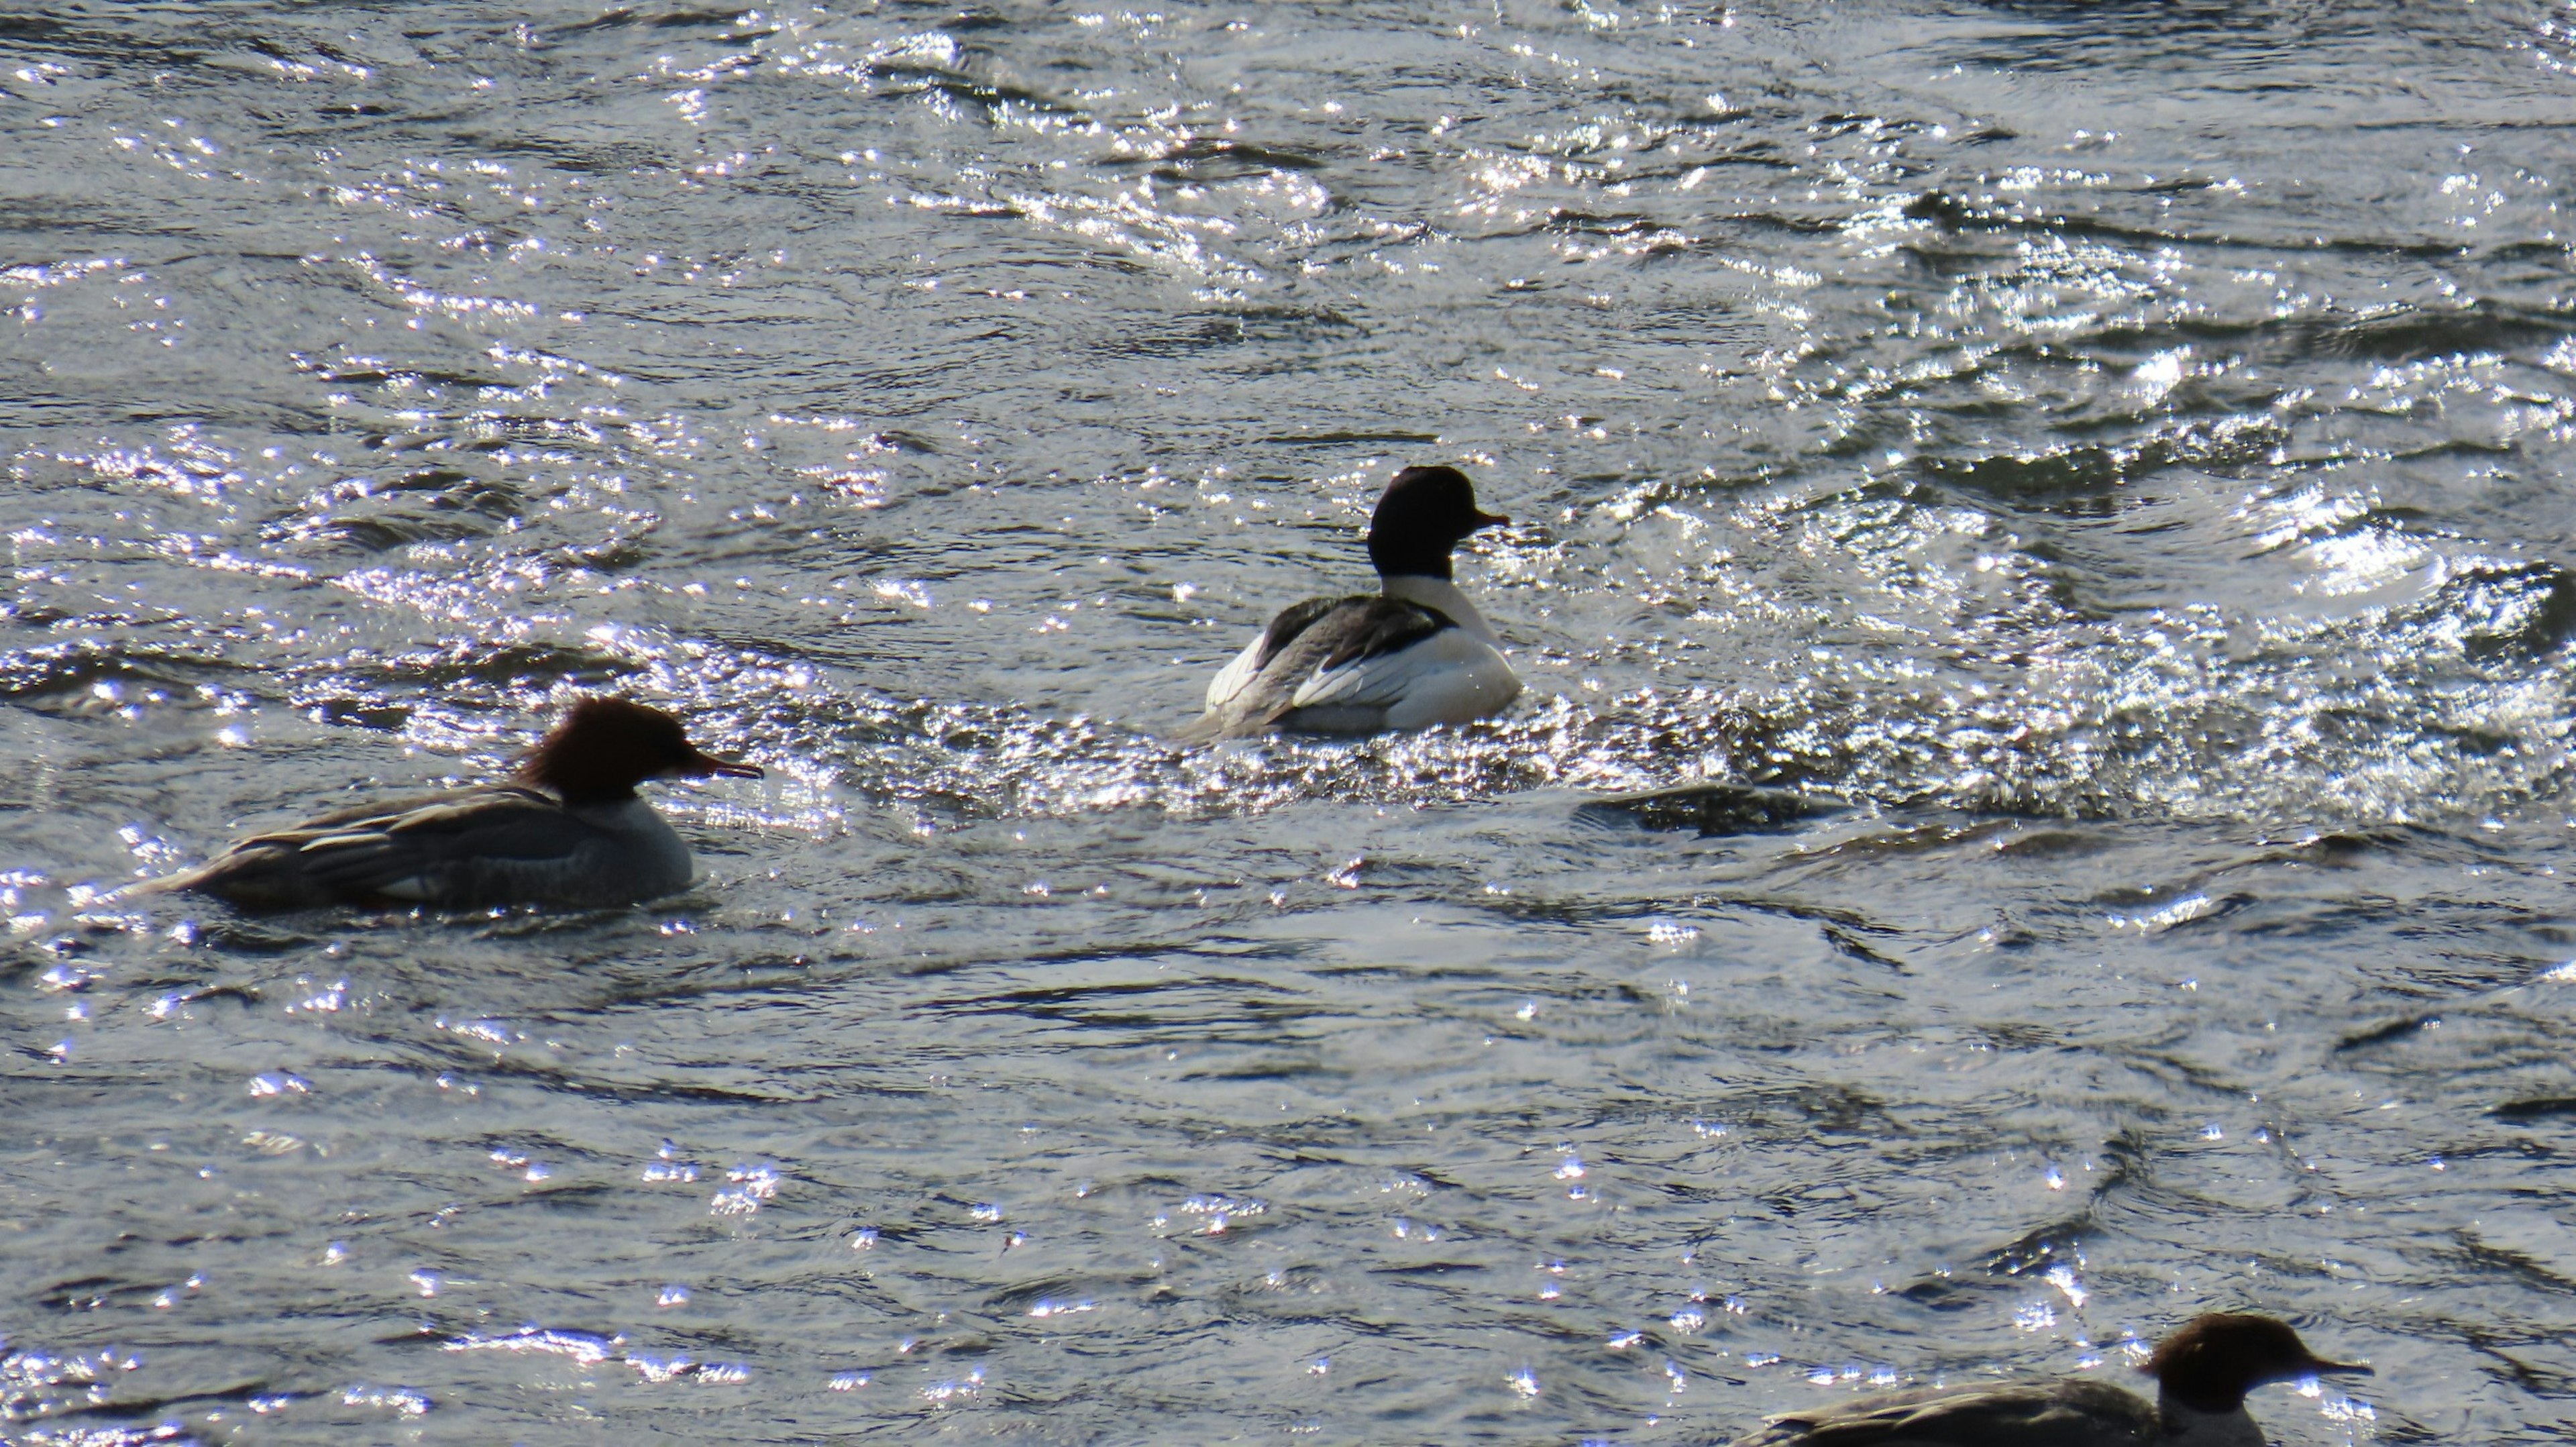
(2100, 476)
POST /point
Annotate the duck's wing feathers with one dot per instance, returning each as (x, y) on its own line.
(1337, 654)
(1292, 621)
(2094, 1413)
(1365, 660)
(423, 848)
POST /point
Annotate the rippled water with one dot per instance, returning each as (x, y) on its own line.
(2101, 475)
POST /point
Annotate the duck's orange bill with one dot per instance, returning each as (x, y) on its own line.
(706, 763)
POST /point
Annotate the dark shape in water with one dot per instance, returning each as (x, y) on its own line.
(2203, 1370)
(1713, 809)
(570, 830)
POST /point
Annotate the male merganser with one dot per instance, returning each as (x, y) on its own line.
(2203, 1370)
(1416, 653)
(569, 830)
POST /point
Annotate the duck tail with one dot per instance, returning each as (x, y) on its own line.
(1207, 728)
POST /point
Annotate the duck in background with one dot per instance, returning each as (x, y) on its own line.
(567, 829)
(1413, 654)
(2202, 1372)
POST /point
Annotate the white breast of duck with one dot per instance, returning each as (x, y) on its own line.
(1416, 654)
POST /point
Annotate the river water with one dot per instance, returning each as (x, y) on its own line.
(2069, 504)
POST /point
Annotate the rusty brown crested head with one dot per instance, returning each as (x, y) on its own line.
(603, 747)
(2214, 1360)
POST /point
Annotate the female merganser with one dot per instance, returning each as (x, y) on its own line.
(568, 830)
(2203, 1370)
(1416, 653)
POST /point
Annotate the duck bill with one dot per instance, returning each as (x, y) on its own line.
(2340, 1369)
(706, 764)
(1490, 520)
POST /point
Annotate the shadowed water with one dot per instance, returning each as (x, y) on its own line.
(2069, 505)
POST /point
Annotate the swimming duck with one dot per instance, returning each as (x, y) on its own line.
(1413, 654)
(567, 829)
(2203, 1372)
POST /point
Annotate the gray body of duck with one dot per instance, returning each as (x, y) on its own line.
(2203, 1372)
(569, 829)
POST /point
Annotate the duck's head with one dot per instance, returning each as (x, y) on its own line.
(2213, 1361)
(1423, 517)
(604, 747)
